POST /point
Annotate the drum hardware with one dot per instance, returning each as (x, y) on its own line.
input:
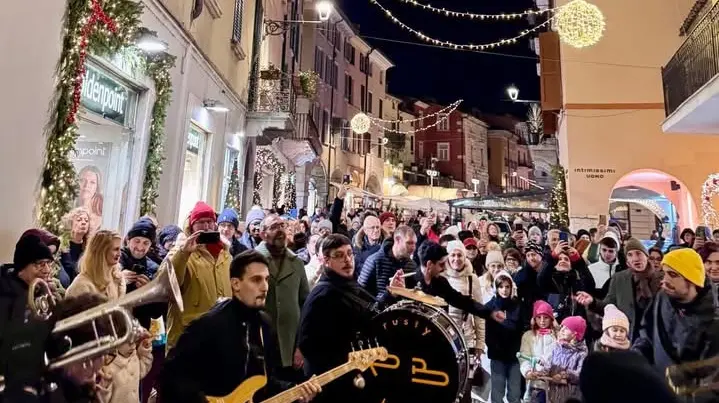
(694, 377)
(416, 295)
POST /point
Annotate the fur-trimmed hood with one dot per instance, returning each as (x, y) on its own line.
(359, 239)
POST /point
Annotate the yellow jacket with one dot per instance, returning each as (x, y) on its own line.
(202, 279)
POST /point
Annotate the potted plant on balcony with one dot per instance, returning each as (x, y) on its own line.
(308, 83)
(270, 73)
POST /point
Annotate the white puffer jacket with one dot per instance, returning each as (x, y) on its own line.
(473, 326)
(538, 347)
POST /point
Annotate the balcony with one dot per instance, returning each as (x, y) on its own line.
(272, 103)
(691, 80)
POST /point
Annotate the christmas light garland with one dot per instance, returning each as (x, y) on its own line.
(462, 46)
(473, 16)
(453, 105)
(446, 113)
(558, 205)
(267, 159)
(709, 190)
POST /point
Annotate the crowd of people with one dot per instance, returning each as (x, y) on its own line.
(546, 314)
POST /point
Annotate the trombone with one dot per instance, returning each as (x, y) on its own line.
(163, 288)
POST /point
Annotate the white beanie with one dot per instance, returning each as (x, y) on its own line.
(453, 230)
(494, 256)
(452, 245)
(535, 229)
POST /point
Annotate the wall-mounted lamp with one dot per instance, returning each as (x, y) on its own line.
(214, 105)
(150, 43)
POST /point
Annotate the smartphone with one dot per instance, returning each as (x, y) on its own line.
(703, 232)
(602, 219)
(139, 269)
(563, 236)
(208, 237)
(519, 227)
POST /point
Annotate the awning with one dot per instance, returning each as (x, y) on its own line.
(433, 192)
(533, 201)
(417, 203)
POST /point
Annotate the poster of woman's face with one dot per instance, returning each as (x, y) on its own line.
(91, 162)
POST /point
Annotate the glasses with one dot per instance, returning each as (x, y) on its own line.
(655, 259)
(342, 256)
(44, 264)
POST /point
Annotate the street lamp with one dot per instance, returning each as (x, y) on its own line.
(513, 93)
(279, 27)
(475, 182)
(432, 173)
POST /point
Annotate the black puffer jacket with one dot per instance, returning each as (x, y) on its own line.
(379, 268)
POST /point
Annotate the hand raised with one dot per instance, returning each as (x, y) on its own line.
(191, 243)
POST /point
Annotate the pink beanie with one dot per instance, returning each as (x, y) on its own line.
(614, 317)
(542, 308)
(576, 324)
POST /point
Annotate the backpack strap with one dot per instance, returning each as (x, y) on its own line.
(465, 315)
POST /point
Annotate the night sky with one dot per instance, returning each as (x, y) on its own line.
(446, 75)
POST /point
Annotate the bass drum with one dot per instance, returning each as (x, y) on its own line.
(428, 359)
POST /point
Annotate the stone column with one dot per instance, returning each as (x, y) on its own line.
(301, 181)
(248, 177)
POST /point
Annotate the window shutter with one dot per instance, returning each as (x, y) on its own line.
(237, 23)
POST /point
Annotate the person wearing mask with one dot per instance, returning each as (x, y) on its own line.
(681, 326)
(335, 311)
(367, 241)
(287, 292)
(608, 264)
(395, 255)
(229, 344)
(388, 221)
(630, 290)
(77, 231)
(251, 238)
(227, 223)
(166, 240)
(202, 271)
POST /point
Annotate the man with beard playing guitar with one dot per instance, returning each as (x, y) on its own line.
(228, 345)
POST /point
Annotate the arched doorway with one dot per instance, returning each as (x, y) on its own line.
(317, 192)
(645, 199)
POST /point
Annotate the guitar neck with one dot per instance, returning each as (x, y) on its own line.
(294, 394)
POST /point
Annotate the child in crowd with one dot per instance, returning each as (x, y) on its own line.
(503, 341)
(537, 344)
(615, 330)
(566, 361)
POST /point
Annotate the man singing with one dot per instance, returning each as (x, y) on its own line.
(230, 343)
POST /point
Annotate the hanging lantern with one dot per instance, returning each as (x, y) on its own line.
(580, 24)
(360, 123)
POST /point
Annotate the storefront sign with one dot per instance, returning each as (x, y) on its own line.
(594, 173)
(194, 141)
(104, 95)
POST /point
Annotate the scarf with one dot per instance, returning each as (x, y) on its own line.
(645, 286)
(544, 332)
(215, 249)
(610, 342)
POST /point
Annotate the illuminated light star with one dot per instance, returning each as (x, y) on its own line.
(360, 123)
(580, 24)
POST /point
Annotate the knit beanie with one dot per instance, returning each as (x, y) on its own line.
(452, 245)
(688, 264)
(635, 244)
(201, 211)
(583, 232)
(142, 228)
(327, 224)
(577, 325)
(534, 231)
(533, 247)
(29, 249)
(386, 216)
(494, 256)
(452, 230)
(542, 308)
(168, 234)
(255, 215)
(614, 317)
(229, 215)
(47, 237)
(470, 242)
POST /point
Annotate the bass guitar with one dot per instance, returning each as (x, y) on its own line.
(358, 360)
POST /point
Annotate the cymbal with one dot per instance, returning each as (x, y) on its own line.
(417, 295)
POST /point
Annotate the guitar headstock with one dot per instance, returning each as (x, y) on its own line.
(362, 359)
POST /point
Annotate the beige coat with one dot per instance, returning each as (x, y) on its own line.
(124, 373)
(202, 279)
(82, 284)
(472, 326)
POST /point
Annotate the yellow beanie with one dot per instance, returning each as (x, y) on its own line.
(688, 264)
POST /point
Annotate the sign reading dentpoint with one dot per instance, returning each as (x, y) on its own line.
(104, 95)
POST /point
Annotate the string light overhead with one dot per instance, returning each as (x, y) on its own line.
(463, 46)
(580, 24)
(475, 16)
(441, 115)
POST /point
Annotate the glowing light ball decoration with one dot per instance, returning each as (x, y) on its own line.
(360, 123)
(709, 190)
(580, 24)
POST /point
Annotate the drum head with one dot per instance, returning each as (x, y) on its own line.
(423, 366)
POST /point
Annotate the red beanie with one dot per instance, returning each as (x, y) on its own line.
(576, 324)
(200, 211)
(386, 216)
(542, 308)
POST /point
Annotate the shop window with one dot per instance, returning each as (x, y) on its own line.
(443, 151)
(230, 157)
(193, 179)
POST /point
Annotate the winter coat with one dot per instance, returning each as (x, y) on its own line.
(569, 358)
(236, 247)
(504, 339)
(528, 290)
(472, 326)
(69, 259)
(126, 370)
(219, 351)
(202, 280)
(673, 333)
(539, 347)
(335, 312)
(560, 287)
(248, 241)
(379, 269)
(148, 267)
(622, 294)
(363, 250)
(486, 285)
(113, 291)
(285, 297)
(602, 273)
(313, 271)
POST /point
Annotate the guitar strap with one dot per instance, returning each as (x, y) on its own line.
(262, 344)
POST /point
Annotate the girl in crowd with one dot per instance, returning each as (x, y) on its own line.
(493, 232)
(512, 260)
(565, 363)
(655, 258)
(494, 264)
(537, 343)
(615, 331)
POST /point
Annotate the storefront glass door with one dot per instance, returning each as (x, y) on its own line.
(193, 180)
